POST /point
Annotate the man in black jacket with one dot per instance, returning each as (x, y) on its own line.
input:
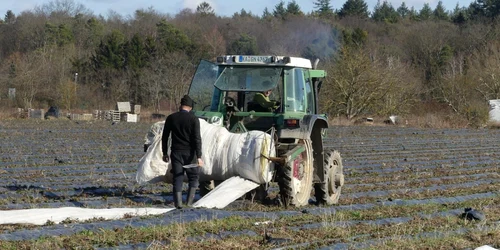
(185, 149)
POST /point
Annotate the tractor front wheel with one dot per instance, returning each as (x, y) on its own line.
(328, 192)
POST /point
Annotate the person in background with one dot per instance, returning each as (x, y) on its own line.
(184, 128)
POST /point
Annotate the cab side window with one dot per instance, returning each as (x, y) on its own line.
(310, 97)
(295, 96)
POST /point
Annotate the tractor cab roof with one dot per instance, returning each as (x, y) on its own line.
(264, 61)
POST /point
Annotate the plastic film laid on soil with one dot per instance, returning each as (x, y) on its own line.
(402, 185)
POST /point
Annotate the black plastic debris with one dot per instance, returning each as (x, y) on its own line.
(269, 240)
(472, 214)
(52, 112)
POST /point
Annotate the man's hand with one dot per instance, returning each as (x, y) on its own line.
(200, 162)
(278, 103)
(165, 158)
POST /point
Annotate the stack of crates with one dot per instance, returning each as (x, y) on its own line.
(81, 117)
(99, 114)
(113, 115)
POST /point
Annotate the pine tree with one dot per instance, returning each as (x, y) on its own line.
(245, 45)
(440, 12)
(10, 17)
(171, 38)
(109, 54)
(323, 8)
(293, 9)
(425, 13)
(357, 8)
(204, 8)
(459, 15)
(403, 11)
(485, 8)
(135, 53)
(280, 10)
(385, 13)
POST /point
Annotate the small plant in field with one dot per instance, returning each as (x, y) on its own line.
(95, 219)
(128, 216)
(49, 223)
(68, 221)
(356, 215)
(87, 233)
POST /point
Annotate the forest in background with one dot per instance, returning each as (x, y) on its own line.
(392, 60)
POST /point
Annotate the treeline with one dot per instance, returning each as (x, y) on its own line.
(387, 61)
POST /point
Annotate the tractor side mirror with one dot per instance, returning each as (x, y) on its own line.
(318, 86)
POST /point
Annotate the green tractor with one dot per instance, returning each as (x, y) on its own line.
(224, 95)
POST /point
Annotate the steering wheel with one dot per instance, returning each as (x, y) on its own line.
(229, 101)
(230, 104)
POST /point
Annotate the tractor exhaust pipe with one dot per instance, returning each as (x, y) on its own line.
(315, 64)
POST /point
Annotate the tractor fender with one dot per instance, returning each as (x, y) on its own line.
(307, 127)
(315, 126)
(312, 122)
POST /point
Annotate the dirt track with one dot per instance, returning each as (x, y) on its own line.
(401, 184)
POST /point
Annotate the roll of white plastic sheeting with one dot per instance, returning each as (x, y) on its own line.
(154, 132)
(225, 155)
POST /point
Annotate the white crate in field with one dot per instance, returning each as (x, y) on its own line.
(137, 109)
(81, 117)
(123, 107)
(36, 113)
(132, 117)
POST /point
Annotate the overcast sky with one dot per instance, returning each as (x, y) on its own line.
(221, 7)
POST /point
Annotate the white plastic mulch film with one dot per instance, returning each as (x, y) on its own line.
(41, 216)
(226, 192)
(225, 155)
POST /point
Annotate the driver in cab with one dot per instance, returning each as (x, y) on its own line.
(262, 99)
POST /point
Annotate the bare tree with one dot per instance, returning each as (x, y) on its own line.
(463, 91)
(487, 72)
(179, 77)
(62, 9)
(402, 91)
(67, 94)
(27, 80)
(215, 41)
(155, 82)
(357, 84)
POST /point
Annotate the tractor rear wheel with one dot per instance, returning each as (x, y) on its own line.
(328, 192)
(296, 176)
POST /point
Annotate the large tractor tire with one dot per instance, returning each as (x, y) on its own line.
(328, 192)
(296, 176)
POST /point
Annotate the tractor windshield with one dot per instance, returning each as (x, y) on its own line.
(201, 89)
(251, 79)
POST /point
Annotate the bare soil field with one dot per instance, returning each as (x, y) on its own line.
(405, 188)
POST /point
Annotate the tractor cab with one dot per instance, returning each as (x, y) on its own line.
(224, 91)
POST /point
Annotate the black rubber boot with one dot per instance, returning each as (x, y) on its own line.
(178, 200)
(190, 197)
